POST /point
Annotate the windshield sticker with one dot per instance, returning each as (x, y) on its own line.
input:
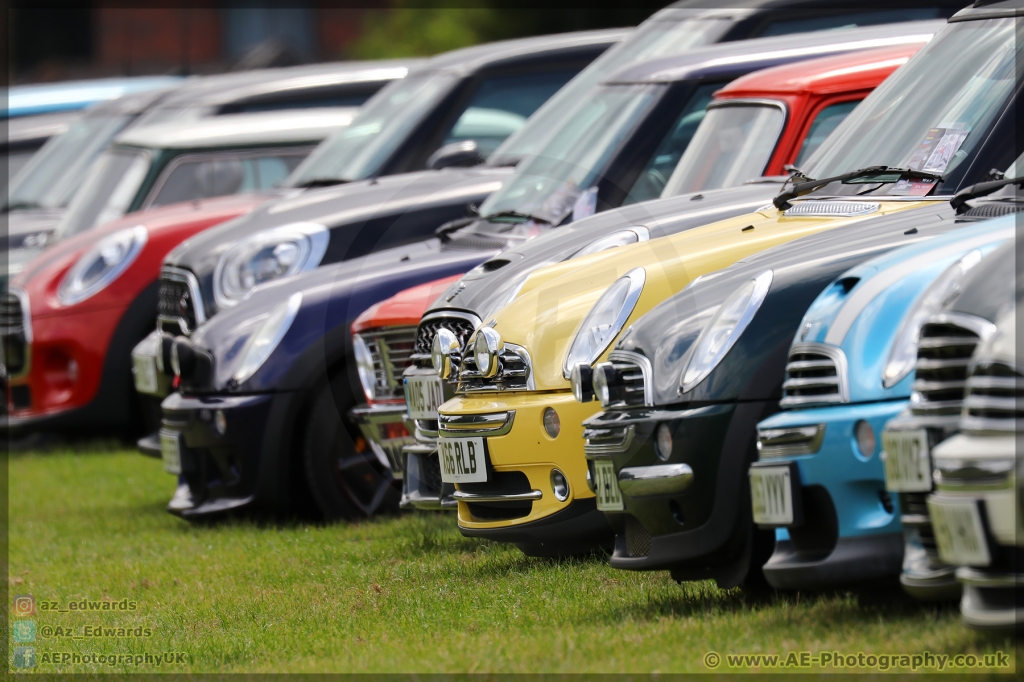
(937, 149)
(586, 205)
(912, 187)
(560, 203)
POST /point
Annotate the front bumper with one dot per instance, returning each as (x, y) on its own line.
(386, 430)
(236, 469)
(851, 527)
(151, 365)
(422, 487)
(924, 575)
(520, 463)
(702, 530)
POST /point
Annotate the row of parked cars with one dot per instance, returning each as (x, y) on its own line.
(731, 294)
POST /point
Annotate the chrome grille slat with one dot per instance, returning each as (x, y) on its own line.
(391, 349)
(514, 374)
(994, 399)
(179, 301)
(944, 349)
(815, 375)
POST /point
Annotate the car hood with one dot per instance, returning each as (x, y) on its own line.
(862, 311)
(989, 292)
(489, 284)
(553, 302)
(754, 368)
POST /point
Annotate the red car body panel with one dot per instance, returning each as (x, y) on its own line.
(70, 344)
(805, 88)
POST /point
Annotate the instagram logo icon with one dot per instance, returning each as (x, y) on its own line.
(24, 605)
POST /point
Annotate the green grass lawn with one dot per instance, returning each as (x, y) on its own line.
(400, 594)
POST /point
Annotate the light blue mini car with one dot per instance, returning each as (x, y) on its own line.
(819, 479)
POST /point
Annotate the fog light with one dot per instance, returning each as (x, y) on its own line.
(582, 380)
(220, 422)
(663, 442)
(600, 382)
(559, 485)
(441, 350)
(552, 425)
(865, 438)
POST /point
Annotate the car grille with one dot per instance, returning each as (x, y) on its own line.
(178, 310)
(391, 349)
(943, 354)
(500, 483)
(514, 372)
(831, 208)
(14, 335)
(461, 327)
(815, 375)
(631, 377)
(994, 399)
(638, 539)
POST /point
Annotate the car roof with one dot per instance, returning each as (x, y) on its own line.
(469, 59)
(39, 127)
(244, 85)
(989, 9)
(284, 127)
(25, 100)
(823, 75)
(761, 53)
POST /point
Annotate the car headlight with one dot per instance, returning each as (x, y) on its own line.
(101, 265)
(263, 342)
(632, 235)
(939, 294)
(265, 256)
(605, 320)
(486, 351)
(364, 366)
(725, 328)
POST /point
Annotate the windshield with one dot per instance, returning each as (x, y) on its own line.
(358, 151)
(932, 112)
(549, 185)
(651, 40)
(58, 168)
(113, 182)
(827, 120)
(732, 145)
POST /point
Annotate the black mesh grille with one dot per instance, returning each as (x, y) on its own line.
(500, 483)
(430, 471)
(427, 330)
(638, 540)
(943, 354)
(504, 511)
(174, 304)
(13, 350)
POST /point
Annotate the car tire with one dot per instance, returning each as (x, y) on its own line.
(346, 479)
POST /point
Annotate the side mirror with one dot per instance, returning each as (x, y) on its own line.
(463, 154)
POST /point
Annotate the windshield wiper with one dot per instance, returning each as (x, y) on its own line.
(520, 217)
(446, 230)
(320, 182)
(801, 188)
(981, 189)
(20, 206)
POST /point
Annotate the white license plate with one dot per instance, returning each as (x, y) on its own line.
(170, 450)
(908, 468)
(144, 369)
(423, 395)
(462, 460)
(771, 492)
(958, 532)
(609, 498)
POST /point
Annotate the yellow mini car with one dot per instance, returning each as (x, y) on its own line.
(511, 440)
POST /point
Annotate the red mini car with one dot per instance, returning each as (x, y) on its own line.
(756, 125)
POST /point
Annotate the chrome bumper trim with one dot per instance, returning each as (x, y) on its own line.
(660, 479)
(463, 425)
(485, 497)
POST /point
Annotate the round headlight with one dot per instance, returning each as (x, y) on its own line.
(725, 328)
(263, 342)
(101, 265)
(939, 294)
(865, 438)
(601, 389)
(364, 366)
(487, 348)
(605, 320)
(663, 442)
(266, 256)
(441, 350)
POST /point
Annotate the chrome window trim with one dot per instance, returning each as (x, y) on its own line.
(758, 102)
(188, 279)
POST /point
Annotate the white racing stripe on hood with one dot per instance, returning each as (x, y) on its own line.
(863, 295)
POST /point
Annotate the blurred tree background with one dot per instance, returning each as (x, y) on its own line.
(411, 29)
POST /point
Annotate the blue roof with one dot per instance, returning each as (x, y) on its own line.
(25, 100)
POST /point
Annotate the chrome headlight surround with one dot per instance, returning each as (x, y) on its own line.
(264, 340)
(364, 366)
(486, 352)
(266, 256)
(941, 293)
(102, 264)
(605, 320)
(443, 351)
(725, 328)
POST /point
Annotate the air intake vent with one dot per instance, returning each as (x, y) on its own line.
(831, 208)
(15, 334)
(943, 355)
(815, 375)
(638, 539)
(391, 349)
(994, 399)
